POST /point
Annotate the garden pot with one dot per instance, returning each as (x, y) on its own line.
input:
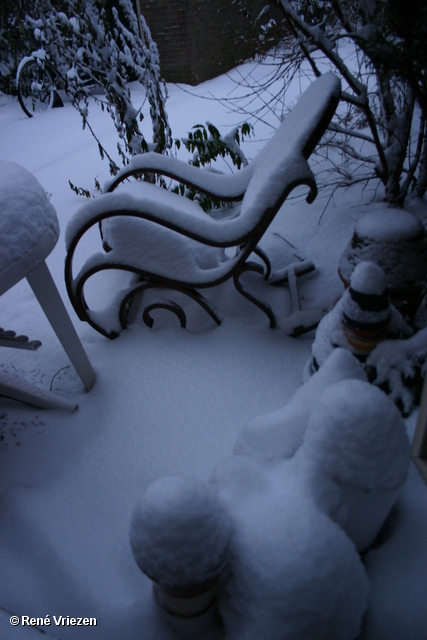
(191, 610)
(397, 242)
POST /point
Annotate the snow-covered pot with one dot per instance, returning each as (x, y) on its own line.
(396, 241)
(179, 536)
(356, 456)
(191, 611)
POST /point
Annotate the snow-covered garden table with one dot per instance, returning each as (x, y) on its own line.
(28, 232)
(169, 242)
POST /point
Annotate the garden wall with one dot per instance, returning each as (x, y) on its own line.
(200, 39)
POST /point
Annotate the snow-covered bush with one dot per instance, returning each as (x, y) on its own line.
(207, 145)
(15, 40)
(378, 49)
(92, 43)
(294, 573)
(399, 368)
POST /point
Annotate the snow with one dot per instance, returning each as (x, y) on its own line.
(368, 278)
(278, 435)
(401, 225)
(179, 532)
(289, 581)
(26, 213)
(357, 436)
(395, 240)
(169, 402)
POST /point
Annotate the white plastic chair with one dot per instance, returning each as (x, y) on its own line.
(28, 232)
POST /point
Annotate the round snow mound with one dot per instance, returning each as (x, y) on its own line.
(357, 436)
(389, 226)
(179, 532)
(368, 278)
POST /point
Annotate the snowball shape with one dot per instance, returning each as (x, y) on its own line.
(366, 308)
(368, 278)
(357, 436)
(179, 532)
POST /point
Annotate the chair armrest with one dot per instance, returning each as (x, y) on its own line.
(224, 187)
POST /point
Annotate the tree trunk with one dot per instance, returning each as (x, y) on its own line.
(421, 186)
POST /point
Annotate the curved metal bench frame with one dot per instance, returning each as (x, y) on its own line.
(324, 95)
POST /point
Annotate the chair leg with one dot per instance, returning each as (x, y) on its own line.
(23, 391)
(44, 288)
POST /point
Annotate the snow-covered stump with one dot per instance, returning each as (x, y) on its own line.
(179, 536)
(397, 242)
(356, 455)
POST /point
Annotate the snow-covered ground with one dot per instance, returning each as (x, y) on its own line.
(166, 401)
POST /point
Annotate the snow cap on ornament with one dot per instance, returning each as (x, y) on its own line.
(366, 307)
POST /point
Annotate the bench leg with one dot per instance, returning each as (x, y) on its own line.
(44, 288)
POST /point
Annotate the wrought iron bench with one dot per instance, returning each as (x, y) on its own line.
(168, 242)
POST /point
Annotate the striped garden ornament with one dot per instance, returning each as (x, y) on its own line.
(366, 308)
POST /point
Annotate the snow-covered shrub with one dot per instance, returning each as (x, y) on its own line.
(399, 368)
(15, 40)
(92, 43)
(276, 436)
(179, 532)
(378, 49)
(206, 145)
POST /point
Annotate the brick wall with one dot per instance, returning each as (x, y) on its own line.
(200, 39)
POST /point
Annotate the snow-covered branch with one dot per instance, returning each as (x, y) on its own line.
(90, 46)
(383, 81)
